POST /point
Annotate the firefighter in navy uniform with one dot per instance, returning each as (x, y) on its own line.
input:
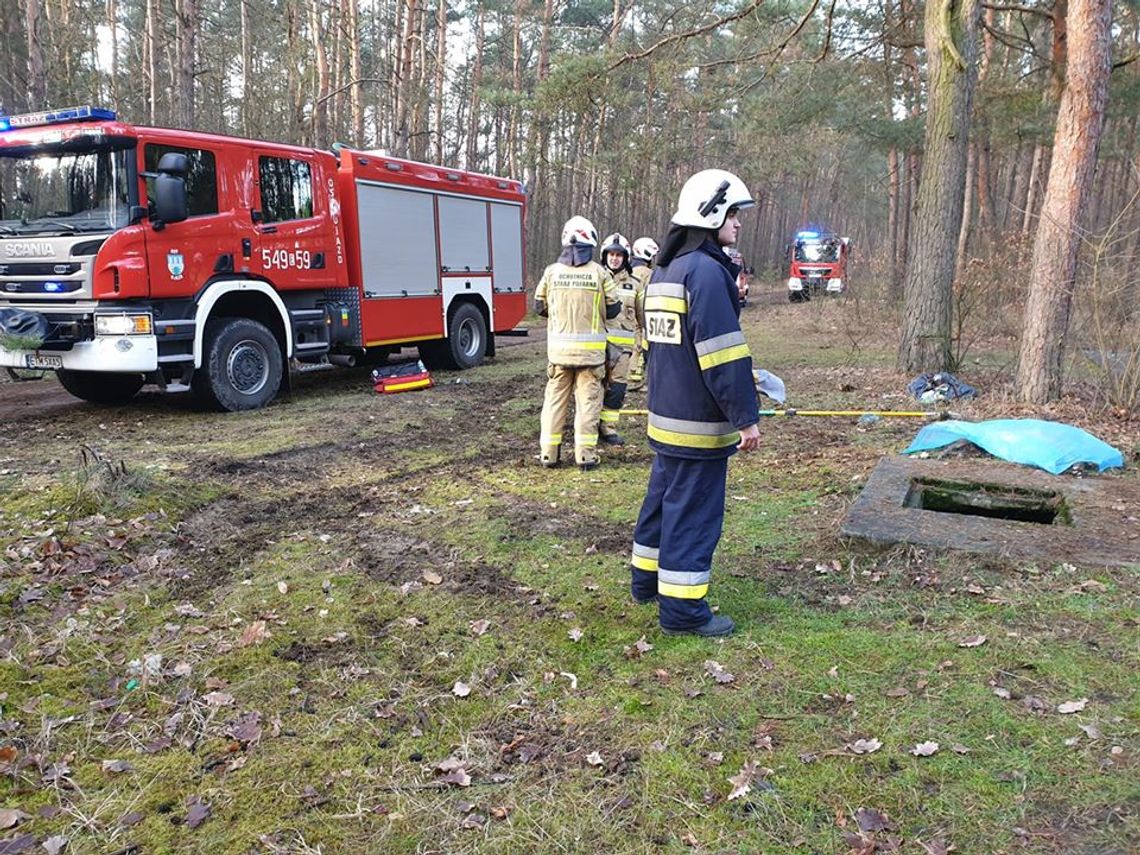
(576, 296)
(702, 404)
(622, 334)
(644, 252)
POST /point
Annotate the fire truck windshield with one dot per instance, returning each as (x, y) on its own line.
(817, 251)
(63, 192)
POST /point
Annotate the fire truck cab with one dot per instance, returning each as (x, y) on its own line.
(132, 255)
(818, 264)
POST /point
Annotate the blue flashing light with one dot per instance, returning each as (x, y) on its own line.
(85, 113)
(807, 234)
(54, 287)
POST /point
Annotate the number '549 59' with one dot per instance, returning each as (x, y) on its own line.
(284, 259)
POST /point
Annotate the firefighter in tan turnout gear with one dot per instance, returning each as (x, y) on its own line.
(644, 254)
(623, 334)
(576, 296)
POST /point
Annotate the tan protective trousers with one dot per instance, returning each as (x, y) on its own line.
(585, 382)
(617, 375)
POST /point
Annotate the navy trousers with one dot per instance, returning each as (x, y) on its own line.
(677, 532)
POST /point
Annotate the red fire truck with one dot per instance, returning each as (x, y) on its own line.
(818, 264)
(133, 255)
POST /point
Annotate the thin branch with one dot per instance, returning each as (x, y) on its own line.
(699, 31)
(1017, 7)
(1125, 62)
(827, 36)
(349, 85)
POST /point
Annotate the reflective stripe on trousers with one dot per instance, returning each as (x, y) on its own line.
(677, 531)
(644, 557)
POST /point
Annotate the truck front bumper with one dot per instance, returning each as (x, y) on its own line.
(128, 354)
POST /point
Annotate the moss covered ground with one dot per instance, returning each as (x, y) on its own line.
(353, 623)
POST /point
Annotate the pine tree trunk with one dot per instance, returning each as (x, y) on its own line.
(356, 96)
(186, 26)
(951, 38)
(893, 280)
(320, 130)
(1080, 121)
(246, 71)
(967, 211)
(471, 160)
(440, 75)
(113, 66)
(37, 80)
(150, 49)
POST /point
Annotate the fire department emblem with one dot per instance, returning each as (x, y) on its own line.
(175, 264)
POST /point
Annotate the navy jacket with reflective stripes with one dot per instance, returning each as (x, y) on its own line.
(701, 389)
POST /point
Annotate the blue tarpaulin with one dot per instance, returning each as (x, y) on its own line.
(1052, 446)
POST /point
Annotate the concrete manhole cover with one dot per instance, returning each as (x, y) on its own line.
(997, 508)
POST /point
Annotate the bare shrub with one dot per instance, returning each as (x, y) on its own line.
(103, 485)
(1107, 323)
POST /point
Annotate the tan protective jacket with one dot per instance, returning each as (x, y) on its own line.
(576, 300)
(625, 330)
(642, 274)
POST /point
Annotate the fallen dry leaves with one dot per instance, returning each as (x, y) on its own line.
(864, 746)
(1070, 707)
(255, 633)
(715, 670)
(742, 781)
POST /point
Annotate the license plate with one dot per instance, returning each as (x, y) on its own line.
(35, 360)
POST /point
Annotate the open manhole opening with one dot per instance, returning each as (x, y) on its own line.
(997, 501)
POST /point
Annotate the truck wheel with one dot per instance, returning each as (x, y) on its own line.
(466, 342)
(100, 387)
(241, 365)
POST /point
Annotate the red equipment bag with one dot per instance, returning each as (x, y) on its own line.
(401, 378)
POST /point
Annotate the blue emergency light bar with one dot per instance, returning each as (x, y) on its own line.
(807, 234)
(85, 113)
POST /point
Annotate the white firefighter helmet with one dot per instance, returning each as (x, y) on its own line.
(580, 231)
(707, 196)
(645, 248)
(616, 243)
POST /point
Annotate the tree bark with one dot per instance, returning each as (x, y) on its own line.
(150, 70)
(37, 79)
(356, 98)
(440, 75)
(951, 39)
(1080, 121)
(967, 211)
(246, 71)
(471, 160)
(186, 27)
(317, 34)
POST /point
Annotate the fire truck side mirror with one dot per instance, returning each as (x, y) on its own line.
(170, 188)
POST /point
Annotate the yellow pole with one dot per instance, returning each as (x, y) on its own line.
(904, 414)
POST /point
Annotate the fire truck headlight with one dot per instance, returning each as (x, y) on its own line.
(794, 284)
(124, 324)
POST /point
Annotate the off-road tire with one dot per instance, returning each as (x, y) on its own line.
(466, 342)
(100, 387)
(242, 366)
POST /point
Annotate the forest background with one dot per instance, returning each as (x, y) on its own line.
(604, 107)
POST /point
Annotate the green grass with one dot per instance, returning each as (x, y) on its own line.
(373, 535)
